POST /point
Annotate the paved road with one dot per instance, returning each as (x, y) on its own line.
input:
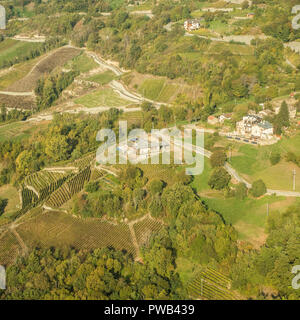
(233, 172)
(105, 64)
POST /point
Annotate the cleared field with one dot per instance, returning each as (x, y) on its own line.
(102, 78)
(58, 58)
(60, 229)
(102, 98)
(11, 50)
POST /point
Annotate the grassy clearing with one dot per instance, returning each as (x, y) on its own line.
(18, 72)
(47, 64)
(10, 49)
(187, 269)
(20, 130)
(102, 98)
(102, 78)
(200, 182)
(10, 194)
(248, 216)
(82, 63)
(151, 88)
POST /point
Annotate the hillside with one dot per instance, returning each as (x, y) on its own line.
(146, 230)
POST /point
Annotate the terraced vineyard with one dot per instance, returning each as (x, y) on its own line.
(145, 228)
(96, 174)
(45, 182)
(85, 162)
(210, 284)
(73, 185)
(28, 197)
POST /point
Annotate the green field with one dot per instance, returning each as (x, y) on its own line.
(158, 89)
(12, 49)
(82, 63)
(102, 78)
(18, 72)
(18, 130)
(253, 163)
(102, 98)
(248, 216)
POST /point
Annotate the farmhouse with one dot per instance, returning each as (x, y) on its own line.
(192, 24)
(252, 126)
(224, 117)
(212, 120)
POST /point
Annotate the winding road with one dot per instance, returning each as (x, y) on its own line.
(234, 174)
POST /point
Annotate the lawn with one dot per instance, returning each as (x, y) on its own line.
(102, 78)
(102, 98)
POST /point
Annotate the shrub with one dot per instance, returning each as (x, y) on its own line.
(156, 187)
(219, 179)
(258, 188)
(241, 191)
(218, 158)
(274, 158)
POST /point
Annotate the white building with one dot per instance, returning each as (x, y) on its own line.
(252, 126)
(192, 24)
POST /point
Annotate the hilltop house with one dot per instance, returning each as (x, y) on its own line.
(252, 126)
(193, 24)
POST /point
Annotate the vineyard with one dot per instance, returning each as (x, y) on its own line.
(45, 182)
(210, 284)
(9, 248)
(145, 228)
(85, 162)
(96, 174)
(60, 229)
(28, 197)
(72, 186)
